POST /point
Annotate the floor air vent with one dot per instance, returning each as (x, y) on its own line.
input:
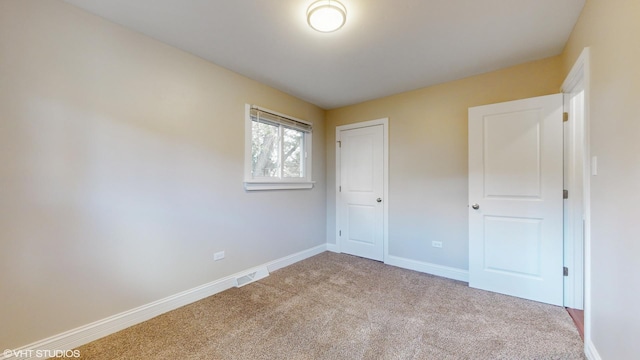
(251, 276)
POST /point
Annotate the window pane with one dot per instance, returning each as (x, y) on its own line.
(264, 150)
(292, 154)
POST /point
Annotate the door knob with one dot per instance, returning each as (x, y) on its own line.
(475, 206)
(379, 200)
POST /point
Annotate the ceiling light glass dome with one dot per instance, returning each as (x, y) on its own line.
(326, 15)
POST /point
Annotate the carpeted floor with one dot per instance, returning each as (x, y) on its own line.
(336, 306)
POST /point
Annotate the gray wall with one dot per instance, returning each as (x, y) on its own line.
(121, 169)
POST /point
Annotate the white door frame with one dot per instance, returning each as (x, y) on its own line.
(574, 177)
(579, 79)
(385, 187)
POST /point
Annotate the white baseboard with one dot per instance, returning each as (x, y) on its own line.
(428, 268)
(294, 258)
(433, 269)
(84, 334)
(590, 350)
(333, 248)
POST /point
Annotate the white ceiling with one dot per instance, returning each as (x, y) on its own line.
(386, 46)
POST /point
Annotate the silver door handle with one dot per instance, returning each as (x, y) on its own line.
(379, 200)
(475, 206)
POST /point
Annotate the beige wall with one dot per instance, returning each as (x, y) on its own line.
(121, 168)
(611, 28)
(428, 156)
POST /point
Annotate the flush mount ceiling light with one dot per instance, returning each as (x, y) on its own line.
(326, 15)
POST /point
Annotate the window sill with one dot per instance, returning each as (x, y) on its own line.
(271, 185)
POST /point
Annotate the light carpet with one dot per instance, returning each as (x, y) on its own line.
(336, 306)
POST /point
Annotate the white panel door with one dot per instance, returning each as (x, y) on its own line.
(361, 190)
(515, 198)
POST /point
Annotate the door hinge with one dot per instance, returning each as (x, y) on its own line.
(565, 271)
(565, 116)
(339, 188)
(340, 233)
(339, 143)
(565, 194)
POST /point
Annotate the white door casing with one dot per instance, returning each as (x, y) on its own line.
(515, 179)
(577, 181)
(578, 81)
(361, 190)
(574, 161)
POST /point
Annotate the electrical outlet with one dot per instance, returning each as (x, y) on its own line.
(436, 244)
(218, 256)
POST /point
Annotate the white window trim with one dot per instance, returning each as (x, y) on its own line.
(253, 184)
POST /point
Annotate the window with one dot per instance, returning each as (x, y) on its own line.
(277, 151)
